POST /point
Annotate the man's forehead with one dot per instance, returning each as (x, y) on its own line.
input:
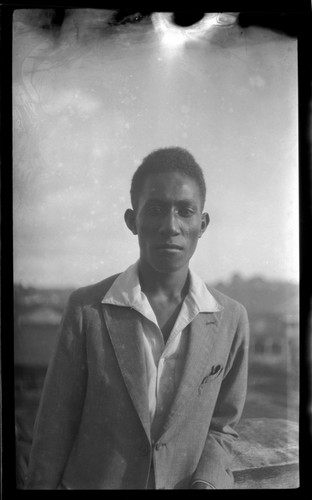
(169, 180)
(163, 198)
(179, 197)
(170, 187)
(162, 192)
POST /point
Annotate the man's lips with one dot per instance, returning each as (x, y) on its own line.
(169, 247)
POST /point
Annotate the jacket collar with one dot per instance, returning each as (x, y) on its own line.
(124, 327)
(202, 336)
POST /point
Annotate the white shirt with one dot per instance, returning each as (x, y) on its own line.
(164, 362)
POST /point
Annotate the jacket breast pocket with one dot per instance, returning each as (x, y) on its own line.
(214, 373)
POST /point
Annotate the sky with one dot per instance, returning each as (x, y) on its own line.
(90, 101)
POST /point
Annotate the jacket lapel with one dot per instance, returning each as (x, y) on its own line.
(203, 333)
(123, 324)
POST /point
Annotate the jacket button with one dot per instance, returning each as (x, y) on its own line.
(159, 445)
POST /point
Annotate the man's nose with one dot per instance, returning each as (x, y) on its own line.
(169, 224)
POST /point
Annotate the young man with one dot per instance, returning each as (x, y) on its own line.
(148, 379)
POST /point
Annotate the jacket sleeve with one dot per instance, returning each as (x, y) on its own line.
(213, 470)
(61, 403)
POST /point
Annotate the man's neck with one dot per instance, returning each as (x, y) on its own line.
(171, 285)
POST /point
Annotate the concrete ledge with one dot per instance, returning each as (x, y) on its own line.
(275, 476)
(265, 442)
(266, 455)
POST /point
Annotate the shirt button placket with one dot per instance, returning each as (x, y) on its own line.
(157, 447)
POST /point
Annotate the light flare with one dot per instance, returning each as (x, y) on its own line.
(173, 36)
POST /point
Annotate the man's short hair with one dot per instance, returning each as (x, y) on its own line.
(171, 159)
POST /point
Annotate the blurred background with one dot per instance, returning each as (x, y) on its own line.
(94, 91)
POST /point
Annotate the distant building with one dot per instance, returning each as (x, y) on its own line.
(40, 315)
(266, 342)
(35, 333)
(289, 320)
(274, 337)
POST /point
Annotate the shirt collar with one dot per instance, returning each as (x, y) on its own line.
(126, 291)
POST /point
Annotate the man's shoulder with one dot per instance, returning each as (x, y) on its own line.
(95, 292)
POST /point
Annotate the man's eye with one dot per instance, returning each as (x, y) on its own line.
(154, 210)
(186, 212)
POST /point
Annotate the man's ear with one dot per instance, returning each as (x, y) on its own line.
(130, 220)
(205, 219)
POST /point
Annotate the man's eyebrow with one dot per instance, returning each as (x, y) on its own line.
(155, 200)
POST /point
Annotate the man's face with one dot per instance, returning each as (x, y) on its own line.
(168, 221)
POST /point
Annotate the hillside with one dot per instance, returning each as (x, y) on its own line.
(258, 295)
(261, 296)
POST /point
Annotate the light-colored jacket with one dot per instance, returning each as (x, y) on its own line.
(92, 429)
